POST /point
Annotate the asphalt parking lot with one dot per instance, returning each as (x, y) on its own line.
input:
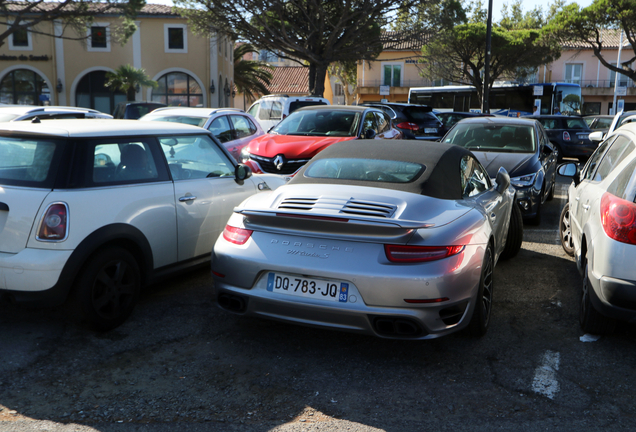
(181, 363)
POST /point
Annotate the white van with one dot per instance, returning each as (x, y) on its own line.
(271, 109)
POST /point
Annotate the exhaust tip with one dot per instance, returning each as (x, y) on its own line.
(397, 327)
(232, 303)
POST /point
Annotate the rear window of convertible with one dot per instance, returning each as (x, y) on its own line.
(372, 170)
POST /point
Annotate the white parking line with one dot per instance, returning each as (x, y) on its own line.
(545, 376)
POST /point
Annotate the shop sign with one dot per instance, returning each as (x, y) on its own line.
(23, 57)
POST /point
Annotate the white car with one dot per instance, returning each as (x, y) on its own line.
(598, 228)
(271, 109)
(30, 112)
(100, 208)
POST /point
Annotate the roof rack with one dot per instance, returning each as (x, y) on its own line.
(276, 95)
(226, 109)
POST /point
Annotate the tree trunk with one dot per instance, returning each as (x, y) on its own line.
(312, 78)
(319, 80)
(130, 94)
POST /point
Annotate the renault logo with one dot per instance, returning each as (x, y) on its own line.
(279, 162)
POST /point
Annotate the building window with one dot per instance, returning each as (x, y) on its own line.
(392, 74)
(92, 93)
(622, 79)
(175, 38)
(24, 87)
(573, 73)
(178, 89)
(20, 40)
(338, 90)
(98, 38)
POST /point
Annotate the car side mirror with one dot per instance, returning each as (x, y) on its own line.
(596, 136)
(569, 169)
(369, 134)
(242, 172)
(503, 180)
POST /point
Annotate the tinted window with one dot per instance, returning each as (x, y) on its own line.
(293, 106)
(243, 126)
(369, 122)
(575, 123)
(195, 157)
(549, 123)
(474, 179)
(221, 129)
(365, 170)
(123, 161)
(27, 162)
(416, 114)
(489, 137)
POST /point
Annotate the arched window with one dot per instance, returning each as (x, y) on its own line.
(178, 89)
(92, 93)
(24, 87)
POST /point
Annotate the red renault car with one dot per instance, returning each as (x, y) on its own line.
(307, 131)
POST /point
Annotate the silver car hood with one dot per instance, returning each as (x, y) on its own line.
(347, 210)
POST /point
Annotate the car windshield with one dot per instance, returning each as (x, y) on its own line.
(7, 117)
(26, 162)
(319, 123)
(493, 137)
(190, 120)
(365, 170)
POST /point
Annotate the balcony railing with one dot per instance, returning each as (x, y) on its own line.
(423, 82)
(622, 82)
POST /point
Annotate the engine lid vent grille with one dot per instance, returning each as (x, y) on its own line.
(298, 203)
(368, 208)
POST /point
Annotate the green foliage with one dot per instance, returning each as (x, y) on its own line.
(127, 78)
(347, 74)
(250, 77)
(423, 16)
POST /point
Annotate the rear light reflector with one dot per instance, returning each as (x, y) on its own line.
(618, 217)
(408, 125)
(437, 300)
(54, 224)
(236, 235)
(566, 136)
(413, 254)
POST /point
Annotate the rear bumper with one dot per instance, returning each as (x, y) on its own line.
(33, 276)
(614, 298)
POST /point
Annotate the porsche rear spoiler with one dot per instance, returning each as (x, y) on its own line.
(329, 226)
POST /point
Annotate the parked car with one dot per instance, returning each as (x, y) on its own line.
(97, 209)
(133, 110)
(271, 109)
(414, 121)
(569, 134)
(307, 131)
(598, 228)
(30, 112)
(369, 237)
(232, 127)
(522, 147)
(449, 118)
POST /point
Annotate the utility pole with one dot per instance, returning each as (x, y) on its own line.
(618, 65)
(485, 107)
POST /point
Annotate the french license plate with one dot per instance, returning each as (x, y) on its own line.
(306, 287)
(430, 130)
(583, 136)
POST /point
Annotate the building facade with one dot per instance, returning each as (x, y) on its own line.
(191, 70)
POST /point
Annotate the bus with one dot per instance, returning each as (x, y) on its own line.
(509, 100)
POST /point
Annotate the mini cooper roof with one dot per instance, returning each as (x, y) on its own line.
(96, 128)
(440, 178)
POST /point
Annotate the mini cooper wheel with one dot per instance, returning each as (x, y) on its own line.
(565, 230)
(591, 320)
(108, 288)
(483, 307)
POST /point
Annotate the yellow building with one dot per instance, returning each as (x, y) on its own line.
(191, 70)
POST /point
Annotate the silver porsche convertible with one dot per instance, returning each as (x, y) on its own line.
(392, 240)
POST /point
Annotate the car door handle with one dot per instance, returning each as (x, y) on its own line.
(578, 199)
(187, 198)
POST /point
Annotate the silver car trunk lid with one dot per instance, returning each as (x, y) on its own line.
(366, 214)
(18, 209)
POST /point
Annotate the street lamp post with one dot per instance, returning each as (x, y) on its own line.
(485, 108)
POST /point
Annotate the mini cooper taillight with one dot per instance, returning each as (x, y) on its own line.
(566, 136)
(54, 223)
(236, 235)
(618, 217)
(415, 254)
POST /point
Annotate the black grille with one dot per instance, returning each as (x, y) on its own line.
(290, 166)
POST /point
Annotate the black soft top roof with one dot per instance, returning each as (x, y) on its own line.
(440, 179)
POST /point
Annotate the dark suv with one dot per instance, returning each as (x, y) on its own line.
(570, 135)
(134, 110)
(414, 121)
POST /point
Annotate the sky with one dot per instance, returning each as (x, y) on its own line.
(497, 5)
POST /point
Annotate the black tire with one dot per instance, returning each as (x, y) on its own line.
(559, 153)
(514, 239)
(550, 196)
(107, 288)
(480, 320)
(565, 230)
(536, 219)
(591, 320)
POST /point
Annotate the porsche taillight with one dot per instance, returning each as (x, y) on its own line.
(54, 223)
(236, 235)
(415, 254)
(618, 217)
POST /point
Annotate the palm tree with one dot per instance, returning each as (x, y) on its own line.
(128, 79)
(250, 77)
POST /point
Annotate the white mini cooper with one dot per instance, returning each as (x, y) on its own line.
(96, 209)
